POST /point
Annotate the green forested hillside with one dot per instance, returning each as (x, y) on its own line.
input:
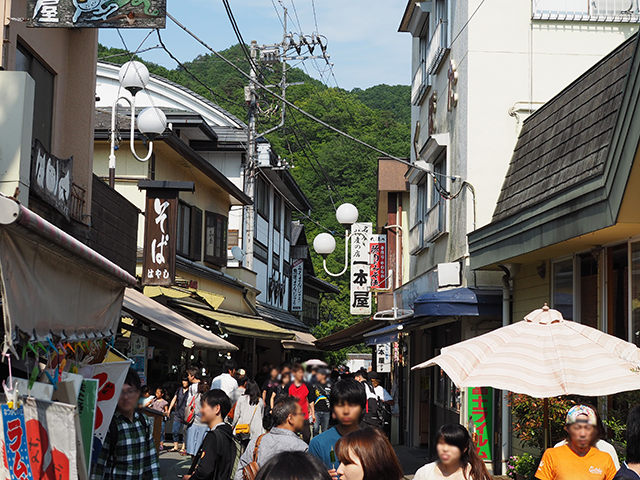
(379, 115)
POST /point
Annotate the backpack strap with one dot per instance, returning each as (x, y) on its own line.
(255, 449)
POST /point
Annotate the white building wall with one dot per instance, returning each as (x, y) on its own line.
(506, 62)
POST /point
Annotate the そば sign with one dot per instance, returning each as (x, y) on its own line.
(159, 258)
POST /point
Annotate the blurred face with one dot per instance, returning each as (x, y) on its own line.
(375, 383)
(298, 375)
(274, 373)
(448, 454)
(209, 413)
(185, 383)
(158, 393)
(321, 377)
(285, 373)
(297, 419)
(351, 471)
(128, 401)
(581, 434)
(190, 377)
(359, 378)
(347, 413)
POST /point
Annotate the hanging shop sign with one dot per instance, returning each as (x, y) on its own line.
(480, 408)
(378, 248)
(97, 13)
(51, 178)
(297, 285)
(383, 358)
(159, 258)
(360, 269)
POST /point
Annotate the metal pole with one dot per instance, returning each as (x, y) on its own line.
(250, 166)
(506, 431)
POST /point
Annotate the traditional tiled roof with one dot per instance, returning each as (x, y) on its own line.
(566, 142)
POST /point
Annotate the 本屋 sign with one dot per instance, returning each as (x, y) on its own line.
(360, 269)
(51, 178)
(159, 262)
(97, 13)
(378, 248)
(297, 285)
(383, 358)
(480, 408)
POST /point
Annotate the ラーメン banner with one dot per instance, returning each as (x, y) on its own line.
(97, 13)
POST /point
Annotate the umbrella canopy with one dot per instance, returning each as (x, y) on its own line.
(543, 356)
(315, 363)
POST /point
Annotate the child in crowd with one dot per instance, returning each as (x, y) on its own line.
(161, 405)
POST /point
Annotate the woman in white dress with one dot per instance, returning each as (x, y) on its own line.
(457, 457)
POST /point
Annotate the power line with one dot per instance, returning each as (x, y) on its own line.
(466, 23)
(277, 13)
(236, 30)
(124, 54)
(295, 10)
(287, 102)
(315, 18)
(215, 96)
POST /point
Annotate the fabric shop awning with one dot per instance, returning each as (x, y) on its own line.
(459, 302)
(54, 284)
(303, 341)
(213, 299)
(244, 326)
(143, 307)
(349, 336)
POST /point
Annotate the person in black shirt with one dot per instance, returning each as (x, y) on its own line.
(263, 375)
(215, 458)
(178, 404)
(322, 390)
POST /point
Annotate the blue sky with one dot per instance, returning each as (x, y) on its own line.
(365, 46)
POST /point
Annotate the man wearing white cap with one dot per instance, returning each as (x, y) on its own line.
(577, 460)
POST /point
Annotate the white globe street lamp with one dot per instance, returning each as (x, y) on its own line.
(152, 122)
(324, 244)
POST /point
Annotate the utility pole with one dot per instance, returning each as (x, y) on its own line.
(250, 165)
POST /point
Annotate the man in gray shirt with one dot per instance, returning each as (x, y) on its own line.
(288, 421)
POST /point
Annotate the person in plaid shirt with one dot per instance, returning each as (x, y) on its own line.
(128, 451)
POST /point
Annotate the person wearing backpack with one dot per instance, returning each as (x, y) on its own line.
(128, 451)
(288, 424)
(215, 457)
(372, 409)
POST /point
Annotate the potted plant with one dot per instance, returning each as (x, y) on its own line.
(521, 467)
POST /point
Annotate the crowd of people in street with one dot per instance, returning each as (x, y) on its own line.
(301, 425)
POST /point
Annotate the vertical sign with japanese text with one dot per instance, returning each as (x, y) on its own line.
(360, 269)
(159, 262)
(297, 285)
(480, 408)
(16, 444)
(378, 250)
(383, 358)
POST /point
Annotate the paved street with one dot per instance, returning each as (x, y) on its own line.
(173, 464)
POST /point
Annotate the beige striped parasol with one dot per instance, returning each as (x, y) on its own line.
(543, 356)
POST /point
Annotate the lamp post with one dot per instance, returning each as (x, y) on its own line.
(134, 76)
(324, 244)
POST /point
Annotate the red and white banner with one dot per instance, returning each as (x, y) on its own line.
(52, 447)
(110, 378)
(378, 249)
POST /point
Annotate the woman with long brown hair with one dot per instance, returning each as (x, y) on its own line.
(457, 457)
(367, 455)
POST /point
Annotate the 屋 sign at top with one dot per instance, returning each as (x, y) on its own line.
(97, 13)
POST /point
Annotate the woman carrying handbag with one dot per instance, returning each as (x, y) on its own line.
(247, 419)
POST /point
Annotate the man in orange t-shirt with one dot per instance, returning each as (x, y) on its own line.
(577, 460)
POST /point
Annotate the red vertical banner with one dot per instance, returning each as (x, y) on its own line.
(378, 249)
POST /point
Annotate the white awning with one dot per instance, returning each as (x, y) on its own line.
(141, 306)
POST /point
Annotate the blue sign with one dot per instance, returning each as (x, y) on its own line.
(15, 442)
